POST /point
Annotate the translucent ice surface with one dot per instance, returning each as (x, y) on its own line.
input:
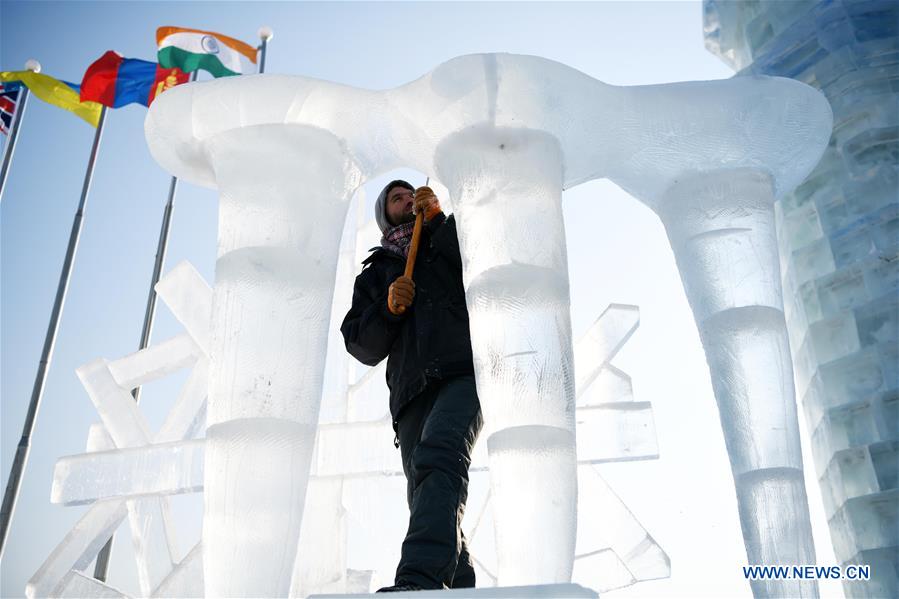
(321, 557)
(149, 517)
(156, 469)
(77, 586)
(838, 249)
(250, 500)
(186, 579)
(79, 547)
(279, 233)
(153, 538)
(155, 362)
(721, 227)
(616, 431)
(353, 455)
(505, 134)
(189, 298)
(120, 414)
(605, 522)
(502, 181)
(596, 348)
(126, 470)
(532, 455)
(613, 549)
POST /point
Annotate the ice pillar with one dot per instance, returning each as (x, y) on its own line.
(721, 228)
(284, 194)
(506, 186)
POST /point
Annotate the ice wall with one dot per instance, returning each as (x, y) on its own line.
(506, 134)
(840, 257)
(718, 211)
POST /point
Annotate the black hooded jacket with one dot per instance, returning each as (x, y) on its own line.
(432, 339)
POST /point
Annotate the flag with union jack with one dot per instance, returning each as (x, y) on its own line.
(9, 97)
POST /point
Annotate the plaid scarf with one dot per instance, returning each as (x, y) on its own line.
(397, 239)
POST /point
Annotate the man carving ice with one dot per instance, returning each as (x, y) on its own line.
(421, 327)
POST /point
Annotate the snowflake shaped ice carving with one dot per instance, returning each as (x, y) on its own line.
(614, 550)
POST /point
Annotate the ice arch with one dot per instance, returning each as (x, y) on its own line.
(507, 134)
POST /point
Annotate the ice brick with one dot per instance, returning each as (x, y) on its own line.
(185, 419)
(155, 362)
(117, 408)
(885, 460)
(79, 547)
(152, 536)
(605, 522)
(834, 337)
(846, 426)
(878, 321)
(854, 377)
(189, 298)
(850, 474)
(166, 468)
(814, 260)
(841, 290)
(616, 431)
(610, 385)
(602, 341)
(865, 523)
(884, 582)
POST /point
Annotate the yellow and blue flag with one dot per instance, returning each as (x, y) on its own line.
(59, 93)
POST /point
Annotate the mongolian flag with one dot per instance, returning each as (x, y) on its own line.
(9, 97)
(53, 91)
(192, 49)
(115, 81)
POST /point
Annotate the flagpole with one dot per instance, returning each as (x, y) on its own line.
(101, 568)
(34, 66)
(265, 34)
(18, 467)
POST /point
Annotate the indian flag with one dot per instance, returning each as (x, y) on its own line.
(192, 49)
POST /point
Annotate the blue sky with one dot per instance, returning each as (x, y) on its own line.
(617, 248)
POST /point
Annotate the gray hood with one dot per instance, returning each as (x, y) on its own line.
(381, 204)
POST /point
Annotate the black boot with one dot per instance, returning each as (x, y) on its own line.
(400, 586)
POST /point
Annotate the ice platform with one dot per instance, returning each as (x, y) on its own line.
(540, 591)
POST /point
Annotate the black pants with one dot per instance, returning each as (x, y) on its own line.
(437, 431)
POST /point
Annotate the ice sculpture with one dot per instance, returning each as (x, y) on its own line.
(840, 258)
(143, 461)
(506, 133)
(613, 548)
